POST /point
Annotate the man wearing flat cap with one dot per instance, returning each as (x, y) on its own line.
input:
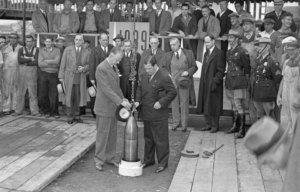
(235, 25)
(181, 63)
(10, 73)
(277, 15)
(119, 40)
(237, 81)
(267, 74)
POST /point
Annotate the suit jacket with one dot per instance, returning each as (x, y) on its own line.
(98, 22)
(147, 95)
(198, 14)
(109, 95)
(213, 27)
(278, 22)
(117, 17)
(165, 22)
(39, 22)
(192, 68)
(225, 22)
(66, 72)
(73, 21)
(97, 56)
(159, 56)
(178, 24)
(210, 98)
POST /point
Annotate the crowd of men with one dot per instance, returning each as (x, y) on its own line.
(260, 69)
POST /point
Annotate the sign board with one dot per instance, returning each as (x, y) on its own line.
(141, 33)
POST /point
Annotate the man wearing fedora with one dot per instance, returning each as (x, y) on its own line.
(237, 81)
(98, 54)
(119, 39)
(109, 97)
(158, 53)
(10, 73)
(210, 98)
(27, 77)
(155, 92)
(73, 68)
(277, 16)
(267, 75)
(182, 66)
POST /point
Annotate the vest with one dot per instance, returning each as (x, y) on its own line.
(178, 66)
(76, 79)
(157, 22)
(205, 25)
(126, 66)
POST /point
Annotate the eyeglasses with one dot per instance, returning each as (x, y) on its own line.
(13, 38)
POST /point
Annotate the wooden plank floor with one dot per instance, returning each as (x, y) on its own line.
(35, 150)
(231, 169)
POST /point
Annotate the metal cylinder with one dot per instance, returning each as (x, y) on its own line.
(131, 140)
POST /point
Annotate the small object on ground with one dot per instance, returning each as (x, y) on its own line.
(189, 153)
(207, 154)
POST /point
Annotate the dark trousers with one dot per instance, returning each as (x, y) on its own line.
(156, 135)
(48, 93)
(212, 121)
(191, 45)
(224, 47)
(73, 112)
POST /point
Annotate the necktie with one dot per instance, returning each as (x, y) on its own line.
(177, 55)
(13, 47)
(105, 51)
(278, 16)
(153, 52)
(157, 13)
(149, 78)
(208, 54)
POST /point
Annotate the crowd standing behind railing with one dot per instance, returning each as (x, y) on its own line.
(39, 70)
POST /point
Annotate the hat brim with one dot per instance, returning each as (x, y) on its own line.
(247, 20)
(283, 144)
(258, 43)
(122, 113)
(122, 39)
(60, 39)
(235, 35)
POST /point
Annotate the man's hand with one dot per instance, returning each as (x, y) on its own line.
(93, 82)
(61, 80)
(126, 104)
(136, 104)
(80, 69)
(279, 101)
(190, 36)
(181, 33)
(32, 58)
(184, 74)
(157, 105)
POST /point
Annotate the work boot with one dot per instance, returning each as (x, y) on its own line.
(235, 125)
(241, 132)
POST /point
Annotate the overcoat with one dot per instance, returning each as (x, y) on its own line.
(39, 22)
(210, 98)
(66, 72)
(192, 68)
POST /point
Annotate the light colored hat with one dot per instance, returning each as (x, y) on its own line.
(60, 38)
(233, 33)
(265, 139)
(278, 2)
(289, 39)
(234, 14)
(92, 91)
(264, 40)
(293, 45)
(248, 19)
(14, 34)
(61, 88)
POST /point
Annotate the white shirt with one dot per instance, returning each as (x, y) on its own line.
(128, 54)
(77, 48)
(43, 11)
(153, 74)
(153, 51)
(211, 50)
(178, 52)
(266, 34)
(111, 11)
(159, 12)
(221, 13)
(104, 48)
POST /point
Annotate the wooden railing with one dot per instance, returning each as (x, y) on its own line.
(31, 5)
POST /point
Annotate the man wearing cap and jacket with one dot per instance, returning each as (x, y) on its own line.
(10, 73)
(27, 77)
(235, 25)
(98, 54)
(181, 63)
(237, 81)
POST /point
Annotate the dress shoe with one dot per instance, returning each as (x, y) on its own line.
(56, 116)
(70, 122)
(184, 129)
(145, 165)
(36, 114)
(6, 113)
(214, 130)
(160, 169)
(78, 120)
(206, 129)
(174, 128)
(99, 167)
(113, 163)
(16, 114)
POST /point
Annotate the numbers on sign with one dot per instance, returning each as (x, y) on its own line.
(144, 39)
(127, 34)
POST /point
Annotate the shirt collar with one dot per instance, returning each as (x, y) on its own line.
(29, 50)
(43, 11)
(221, 13)
(211, 49)
(179, 51)
(159, 11)
(128, 53)
(45, 49)
(109, 63)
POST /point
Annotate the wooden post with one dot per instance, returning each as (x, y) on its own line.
(254, 13)
(24, 20)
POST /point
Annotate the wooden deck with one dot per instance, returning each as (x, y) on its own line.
(34, 151)
(231, 169)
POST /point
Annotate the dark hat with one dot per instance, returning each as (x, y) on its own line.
(234, 14)
(267, 138)
(14, 34)
(233, 33)
(184, 82)
(293, 45)
(122, 113)
(119, 36)
(264, 40)
(248, 19)
(269, 20)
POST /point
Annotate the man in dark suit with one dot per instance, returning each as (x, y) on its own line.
(277, 16)
(109, 97)
(210, 98)
(154, 51)
(225, 24)
(198, 13)
(154, 93)
(111, 15)
(186, 25)
(125, 68)
(98, 54)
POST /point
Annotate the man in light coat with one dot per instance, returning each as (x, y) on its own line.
(10, 73)
(73, 68)
(109, 97)
(42, 19)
